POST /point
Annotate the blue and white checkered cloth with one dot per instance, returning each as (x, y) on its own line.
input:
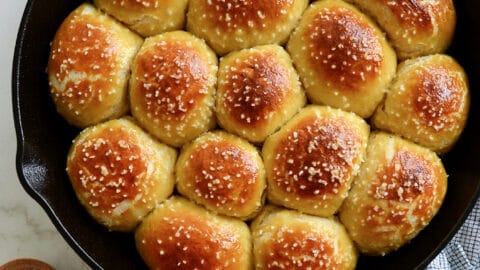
(463, 252)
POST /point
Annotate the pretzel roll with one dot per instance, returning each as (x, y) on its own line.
(428, 102)
(258, 91)
(399, 189)
(229, 25)
(178, 234)
(89, 65)
(285, 239)
(147, 17)
(415, 27)
(120, 173)
(311, 161)
(343, 59)
(224, 173)
(172, 87)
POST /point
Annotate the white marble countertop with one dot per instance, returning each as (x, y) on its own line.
(25, 229)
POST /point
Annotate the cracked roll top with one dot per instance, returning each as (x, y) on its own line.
(172, 87)
(229, 25)
(284, 239)
(415, 27)
(119, 173)
(89, 65)
(311, 161)
(258, 91)
(224, 173)
(427, 103)
(399, 189)
(179, 234)
(147, 17)
(343, 59)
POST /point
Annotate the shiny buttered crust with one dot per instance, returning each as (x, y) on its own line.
(258, 91)
(343, 59)
(147, 17)
(224, 173)
(172, 87)
(285, 239)
(428, 102)
(415, 27)
(311, 161)
(120, 173)
(89, 67)
(234, 25)
(179, 234)
(399, 189)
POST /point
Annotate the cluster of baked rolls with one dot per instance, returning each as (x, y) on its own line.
(260, 134)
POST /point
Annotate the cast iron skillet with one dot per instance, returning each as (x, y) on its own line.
(44, 138)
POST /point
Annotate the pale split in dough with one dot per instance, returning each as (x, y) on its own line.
(399, 189)
(120, 173)
(312, 160)
(428, 102)
(258, 91)
(89, 66)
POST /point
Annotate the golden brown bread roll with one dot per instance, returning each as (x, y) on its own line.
(258, 91)
(343, 59)
(172, 88)
(285, 239)
(415, 27)
(224, 173)
(119, 173)
(229, 25)
(311, 161)
(399, 189)
(89, 65)
(178, 234)
(428, 102)
(147, 17)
